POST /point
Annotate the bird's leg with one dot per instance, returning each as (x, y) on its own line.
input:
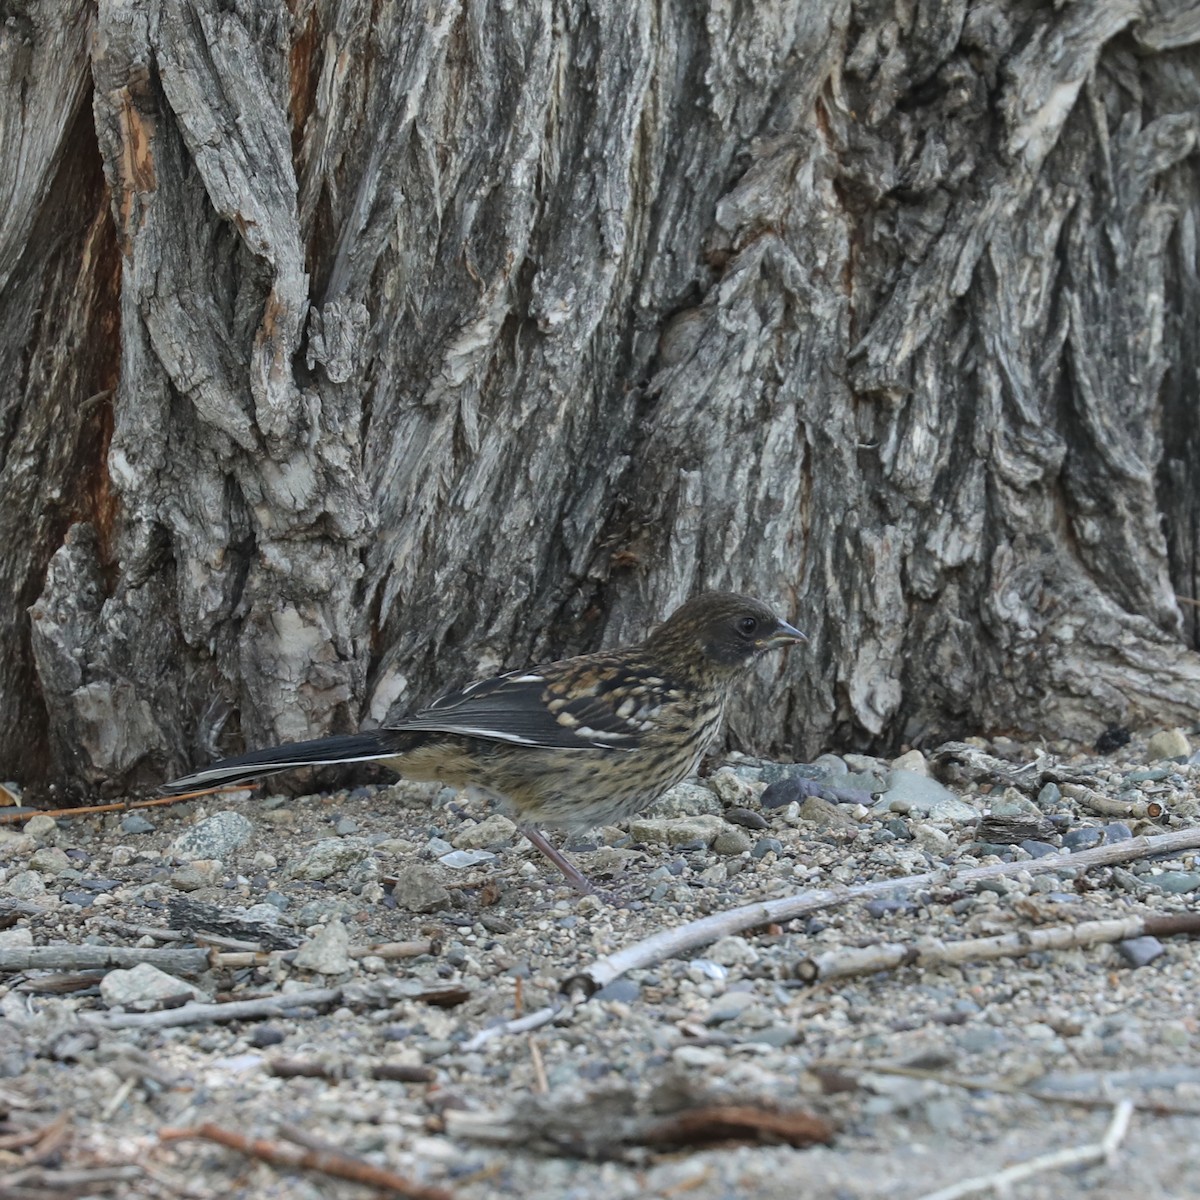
(574, 876)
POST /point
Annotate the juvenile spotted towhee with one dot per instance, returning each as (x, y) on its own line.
(576, 743)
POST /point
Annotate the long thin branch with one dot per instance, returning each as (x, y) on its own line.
(197, 1014)
(1076, 1156)
(932, 951)
(334, 1163)
(95, 958)
(672, 942)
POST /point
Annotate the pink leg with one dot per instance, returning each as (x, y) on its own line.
(573, 875)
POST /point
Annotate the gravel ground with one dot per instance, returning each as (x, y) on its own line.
(322, 886)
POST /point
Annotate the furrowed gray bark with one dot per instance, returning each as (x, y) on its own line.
(396, 344)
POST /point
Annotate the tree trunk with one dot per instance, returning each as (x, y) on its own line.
(395, 343)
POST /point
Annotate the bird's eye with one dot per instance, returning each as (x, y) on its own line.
(747, 626)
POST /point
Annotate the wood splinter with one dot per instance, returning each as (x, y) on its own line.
(334, 1163)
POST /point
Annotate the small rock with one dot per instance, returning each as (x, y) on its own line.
(913, 761)
(624, 990)
(50, 860)
(765, 846)
(20, 936)
(25, 885)
(418, 890)
(886, 906)
(913, 793)
(677, 831)
(685, 800)
(495, 830)
(930, 838)
(731, 841)
(327, 952)
(731, 788)
(330, 856)
(1140, 951)
(214, 837)
(730, 1005)
(144, 984)
(1049, 796)
(41, 827)
(136, 823)
(345, 826)
(204, 872)
(790, 790)
(1117, 831)
(899, 828)
(1166, 743)
(1082, 839)
(746, 817)
(1037, 849)
(825, 815)
(733, 951)
(1175, 882)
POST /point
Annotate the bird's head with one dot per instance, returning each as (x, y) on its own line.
(721, 631)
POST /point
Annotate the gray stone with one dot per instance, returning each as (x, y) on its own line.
(685, 800)
(1082, 839)
(1011, 803)
(1049, 796)
(418, 889)
(747, 818)
(25, 885)
(1140, 951)
(50, 860)
(1167, 743)
(20, 936)
(41, 827)
(204, 872)
(831, 764)
(765, 846)
(912, 793)
(731, 789)
(495, 830)
(345, 826)
(732, 951)
(327, 952)
(729, 1006)
(1038, 849)
(789, 790)
(731, 841)
(1117, 831)
(677, 831)
(624, 990)
(144, 984)
(825, 815)
(1176, 882)
(136, 823)
(217, 836)
(328, 857)
(913, 761)
(932, 839)
(899, 829)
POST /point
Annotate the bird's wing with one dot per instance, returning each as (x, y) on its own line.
(582, 704)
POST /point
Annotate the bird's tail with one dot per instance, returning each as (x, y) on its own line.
(353, 747)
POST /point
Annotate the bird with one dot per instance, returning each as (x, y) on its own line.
(573, 744)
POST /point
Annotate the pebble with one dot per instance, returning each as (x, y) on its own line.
(731, 841)
(214, 837)
(1166, 743)
(1140, 951)
(1049, 796)
(732, 951)
(931, 838)
(20, 936)
(746, 817)
(25, 885)
(677, 831)
(765, 846)
(909, 792)
(330, 856)
(1116, 831)
(899, 829)
(685, 800)
(50, 860)
(41, 827)
(262, 1036)
(345, 826)
(1176, 882)
(623, 990)
(204, 872)
(731, 788)
(730, 1005)
(786, 791)
(135, 823)
(144, 984)
(1082, 839)
(495, 830)
(418, 889)
(327, 952)
(913, 761)
(1037, 849)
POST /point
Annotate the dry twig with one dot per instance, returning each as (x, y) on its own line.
(932, 951)
(198, 1014)
(1057, 1160)
(325, 1161)
(95, 958)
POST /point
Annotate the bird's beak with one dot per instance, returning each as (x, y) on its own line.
(784, 635)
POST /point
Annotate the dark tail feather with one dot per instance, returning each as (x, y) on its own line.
(353, 747)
